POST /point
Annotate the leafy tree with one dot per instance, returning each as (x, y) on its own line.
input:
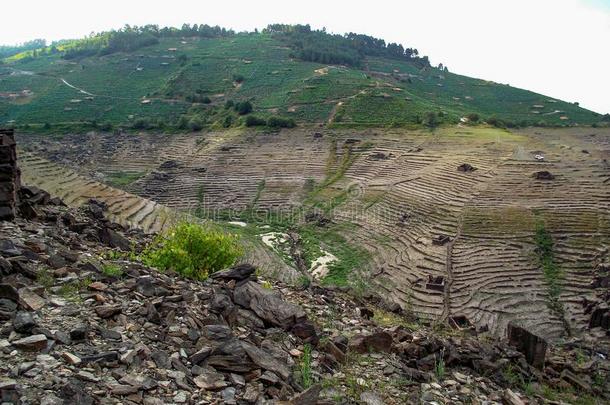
(10, 50)
(195, 124)
(431, 119)
(496, 122)
(473, 117)
(243, 107)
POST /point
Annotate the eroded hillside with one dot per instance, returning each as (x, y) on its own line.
(448, 224)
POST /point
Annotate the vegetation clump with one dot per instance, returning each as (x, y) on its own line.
(279, 122)
(122, 179)
(112, 270)
(305, 367)
(131, 38)
(193, 250)
(243, 107)
(272, 122)
(473, 118)
(552, 273)
(349, 49)
(254, 121)
(8, 50)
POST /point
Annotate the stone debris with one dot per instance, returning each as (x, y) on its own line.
(9, 175)
(532, 346)
(466, 168)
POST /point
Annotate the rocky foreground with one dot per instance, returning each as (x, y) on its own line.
(82, 321)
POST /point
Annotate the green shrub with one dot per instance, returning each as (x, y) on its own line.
(496, 122)
(228, 121)
(193, 250)
(278, 122)
(252, 121)
(112, 270)
(142, 123)
(473, 117)
(195, 124)
(553, 275)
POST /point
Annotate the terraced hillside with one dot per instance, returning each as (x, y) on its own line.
(184, 82)
(128, 209)
(75, 190)
(445, 223)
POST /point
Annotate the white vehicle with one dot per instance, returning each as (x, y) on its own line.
(539, 158)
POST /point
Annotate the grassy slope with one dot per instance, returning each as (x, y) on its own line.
(386, 92)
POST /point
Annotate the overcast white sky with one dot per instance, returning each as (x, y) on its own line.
(560, 48)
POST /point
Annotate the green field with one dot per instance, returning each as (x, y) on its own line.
(155, 84)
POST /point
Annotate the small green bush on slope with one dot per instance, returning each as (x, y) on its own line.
(193, 250)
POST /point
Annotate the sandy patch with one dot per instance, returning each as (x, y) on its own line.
(274, 239)
(319, 267)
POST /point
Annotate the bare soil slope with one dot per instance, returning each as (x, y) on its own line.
(443, 242)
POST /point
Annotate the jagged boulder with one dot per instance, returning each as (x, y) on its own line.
(600, 316)
(543, 175)
(169, 164)
(268, 305)
(379, 341)
(114, 239)
(531, 345)
(237, 273)
(9, 175)
(466, 168)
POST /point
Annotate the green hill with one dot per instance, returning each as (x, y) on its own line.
(183, 80)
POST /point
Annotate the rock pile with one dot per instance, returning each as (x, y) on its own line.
(599, 307)
(77, 331)
(9, 175)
